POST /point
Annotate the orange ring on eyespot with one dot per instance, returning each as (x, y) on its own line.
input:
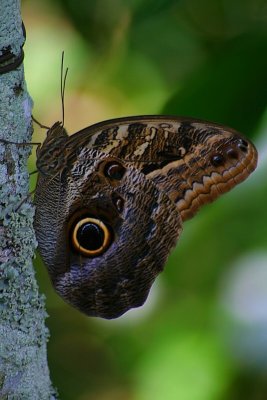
(100, 225)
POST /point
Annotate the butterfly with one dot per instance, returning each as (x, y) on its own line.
(111, 200)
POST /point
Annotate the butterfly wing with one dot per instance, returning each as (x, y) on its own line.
(192, 161)
(101, 277)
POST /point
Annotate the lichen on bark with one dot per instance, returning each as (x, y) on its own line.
(24, 371)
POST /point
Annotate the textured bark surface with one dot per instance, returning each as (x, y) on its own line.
(24, 372)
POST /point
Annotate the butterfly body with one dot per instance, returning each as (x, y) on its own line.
(111, 199)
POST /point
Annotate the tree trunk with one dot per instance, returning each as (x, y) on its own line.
(24, 371)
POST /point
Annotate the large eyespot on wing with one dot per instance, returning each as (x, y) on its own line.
(90, 236)
(143, 225)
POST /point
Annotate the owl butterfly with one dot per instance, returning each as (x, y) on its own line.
(111, 200)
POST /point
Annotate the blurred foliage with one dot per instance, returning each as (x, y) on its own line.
(206, 59)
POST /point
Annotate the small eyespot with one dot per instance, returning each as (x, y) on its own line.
(232, 153)
(114, 170)
(118, 202)
(243, 145)
(90, 237)
(217, 160)
(244, 142)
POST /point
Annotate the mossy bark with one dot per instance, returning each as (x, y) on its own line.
(24, 371)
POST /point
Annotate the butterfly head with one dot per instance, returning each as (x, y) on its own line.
(50, 156)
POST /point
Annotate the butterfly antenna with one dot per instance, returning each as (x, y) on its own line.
(63, 79)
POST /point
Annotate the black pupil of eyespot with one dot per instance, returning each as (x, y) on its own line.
(243, 145)
(90, 236)
(114, 171)
(217, 159)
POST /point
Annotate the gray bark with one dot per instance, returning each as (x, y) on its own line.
(24, 371)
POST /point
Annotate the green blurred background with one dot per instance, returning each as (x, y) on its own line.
(202, 335)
